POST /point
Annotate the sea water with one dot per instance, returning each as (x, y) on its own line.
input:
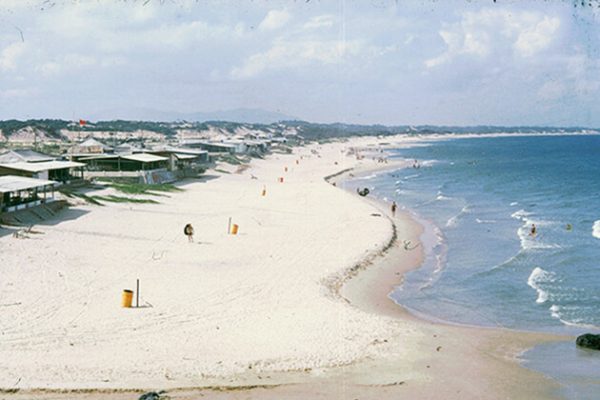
(481, 196)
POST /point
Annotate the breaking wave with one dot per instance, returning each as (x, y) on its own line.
(538, 279)
(596, 229)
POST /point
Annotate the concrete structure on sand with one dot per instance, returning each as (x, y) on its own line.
(18, 192)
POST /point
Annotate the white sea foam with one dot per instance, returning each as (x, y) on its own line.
(438, 197)
(555, 312)
(596, 229)
(454, 220)
(514, 203)
(521, 214)
(439, 249)
(485, 221)
(366, 178)
(429, 163)
(537, 280)
(442, 197)
(529, 241)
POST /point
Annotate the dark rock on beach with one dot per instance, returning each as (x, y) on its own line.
(589, 341)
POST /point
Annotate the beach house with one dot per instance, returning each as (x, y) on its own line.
(18, 192)
(180, 158)
(211, 147)
(125, 162)
(32, 164)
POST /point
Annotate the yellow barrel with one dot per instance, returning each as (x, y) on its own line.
(234, 229)
(126, 298)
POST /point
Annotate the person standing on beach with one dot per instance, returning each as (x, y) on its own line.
(394, 208)
(189, 232)
(533, 230)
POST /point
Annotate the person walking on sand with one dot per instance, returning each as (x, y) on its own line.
(189, 232)
(394, 208)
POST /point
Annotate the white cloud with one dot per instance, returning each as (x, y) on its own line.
(10, 55)
(275, 19)
(79, 60)
(66, 63)
(72, 62)
(17, 93)
(49, 68)
(289, 54)
(320, 21)
(117, 27)
(490, 31)
(551, 90)
(144, 13)
(583, 73)
(537, 38)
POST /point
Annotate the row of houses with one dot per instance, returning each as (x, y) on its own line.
(29, 178)
(234, 146)
(100, 157)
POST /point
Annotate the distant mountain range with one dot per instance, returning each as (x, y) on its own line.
(240, 115)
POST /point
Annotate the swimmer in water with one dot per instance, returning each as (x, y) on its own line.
(533, 230)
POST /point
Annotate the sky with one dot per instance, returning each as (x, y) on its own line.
(451, 62)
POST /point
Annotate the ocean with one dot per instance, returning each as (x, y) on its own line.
(479, 197)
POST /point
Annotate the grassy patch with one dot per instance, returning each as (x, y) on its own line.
(231, 159)
(120, 199)
(96, 199)
(143, 188)
(88, 199)
(281, 149)
(71, 194)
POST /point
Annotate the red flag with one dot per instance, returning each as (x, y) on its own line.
(82, 122)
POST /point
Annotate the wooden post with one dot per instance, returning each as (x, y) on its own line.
(229, 226)
(137, 293)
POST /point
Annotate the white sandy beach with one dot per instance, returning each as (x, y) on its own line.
(264, 307)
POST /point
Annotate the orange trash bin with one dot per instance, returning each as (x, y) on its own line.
(126, 298)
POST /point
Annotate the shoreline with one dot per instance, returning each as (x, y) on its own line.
(408, 359)
(382, 275)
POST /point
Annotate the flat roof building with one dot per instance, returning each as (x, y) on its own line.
(182, 158)
(125, 162)
(61, 171)
(19, 192)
